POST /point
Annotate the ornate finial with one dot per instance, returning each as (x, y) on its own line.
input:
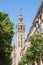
(20, 16)
(20, 11)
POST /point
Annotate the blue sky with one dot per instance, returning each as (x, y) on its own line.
(29, 10)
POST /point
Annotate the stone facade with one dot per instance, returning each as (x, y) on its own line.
(37, 26)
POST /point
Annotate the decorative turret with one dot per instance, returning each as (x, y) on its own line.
(20, 16)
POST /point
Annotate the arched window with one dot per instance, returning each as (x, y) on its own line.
(18, 28)
(21, 27)
(21, 36)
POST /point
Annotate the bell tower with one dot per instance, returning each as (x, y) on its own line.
(20, 36)
(20, 31)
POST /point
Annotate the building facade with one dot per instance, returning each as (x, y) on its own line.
(37, 26)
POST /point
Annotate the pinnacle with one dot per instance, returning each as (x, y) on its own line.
(20, 12)
(20, 16)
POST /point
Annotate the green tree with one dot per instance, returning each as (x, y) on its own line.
(36, 47)
(6, 34)
(35, 51)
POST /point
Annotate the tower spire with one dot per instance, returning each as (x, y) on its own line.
(20, 16)
(20, 11)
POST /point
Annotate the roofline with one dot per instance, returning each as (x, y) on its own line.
(36, 15)
(41, 6)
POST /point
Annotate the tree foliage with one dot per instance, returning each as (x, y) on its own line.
(35, 51)
(36, 46)
(6, 34)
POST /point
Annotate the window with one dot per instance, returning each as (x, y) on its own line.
(21, 40)
(21, 27)
(21, 53)
(40, 16)
(21, 36)
(35, 25)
